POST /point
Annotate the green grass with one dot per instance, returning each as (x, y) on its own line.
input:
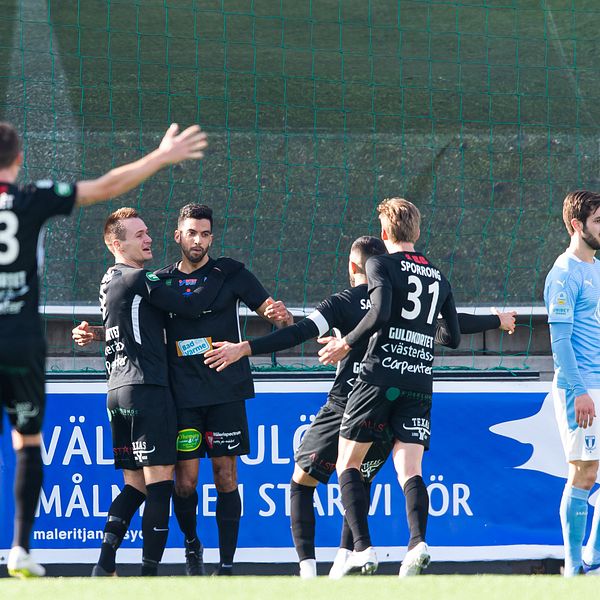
(292, 588)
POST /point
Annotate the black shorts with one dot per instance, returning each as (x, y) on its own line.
(215, 430)
(143, 425)
(318, 451)
(371, 410)
(22, 386)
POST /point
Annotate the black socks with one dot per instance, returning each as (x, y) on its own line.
(229, 511)
(302, 519)
(120, 513)
(356, 505)
(417, 509)
(28, 482)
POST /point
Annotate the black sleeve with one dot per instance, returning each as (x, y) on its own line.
(168, 299)
(249, 289)
(285, 338)
(375, 319)
(477, 323)
(53, 198)
(451, 335)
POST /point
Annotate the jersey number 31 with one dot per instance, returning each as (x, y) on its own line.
(414, 297)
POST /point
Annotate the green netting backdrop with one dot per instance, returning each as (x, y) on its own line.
(482, 112)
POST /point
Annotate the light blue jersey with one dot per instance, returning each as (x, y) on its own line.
(572, 298)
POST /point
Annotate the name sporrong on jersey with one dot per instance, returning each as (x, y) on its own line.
(420, 270)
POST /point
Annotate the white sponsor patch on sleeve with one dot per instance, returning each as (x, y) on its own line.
(560, 306)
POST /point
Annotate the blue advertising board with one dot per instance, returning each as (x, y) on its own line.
(495, 474)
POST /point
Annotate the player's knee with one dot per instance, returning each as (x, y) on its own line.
(184, 489)
(303, 478)
(586, 478)
(225, 477)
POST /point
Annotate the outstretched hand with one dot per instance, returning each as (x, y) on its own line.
(334, 350)
(81, 334)
(507, 319)
(176, 147)
(224, 354)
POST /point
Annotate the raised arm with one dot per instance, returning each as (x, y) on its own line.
(174, 148)
(470, 324)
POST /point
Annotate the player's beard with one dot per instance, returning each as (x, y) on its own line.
(590, 240)
(197, 256)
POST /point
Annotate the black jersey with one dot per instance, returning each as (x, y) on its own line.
(134, 303)
(192, 382)
(23, 212)
(409, 292)
(342, 312)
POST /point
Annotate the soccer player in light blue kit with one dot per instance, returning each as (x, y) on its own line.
(572, 298)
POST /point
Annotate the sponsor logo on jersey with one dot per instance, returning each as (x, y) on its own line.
(152, 277)
(43, 184)
(560, 306)
(63, 189)
(183, 282)
(188, 440)
(193, 347)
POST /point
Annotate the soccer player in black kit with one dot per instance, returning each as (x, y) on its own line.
(394, 387)
(134, 303)
(211, 411)
(23, 212)
(316, 457)
(211, 407)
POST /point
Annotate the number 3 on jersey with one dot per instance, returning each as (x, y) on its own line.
(9, 244)
(414, 297)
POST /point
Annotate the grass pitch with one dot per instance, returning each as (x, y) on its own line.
(492, 587)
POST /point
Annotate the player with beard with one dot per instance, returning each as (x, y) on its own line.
(23, 213)
(394, 388)
(211, 407)
(211, 410)
(142, 414)
(572, 298)
(316, 457)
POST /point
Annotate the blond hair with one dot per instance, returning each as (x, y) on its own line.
(401, 220)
